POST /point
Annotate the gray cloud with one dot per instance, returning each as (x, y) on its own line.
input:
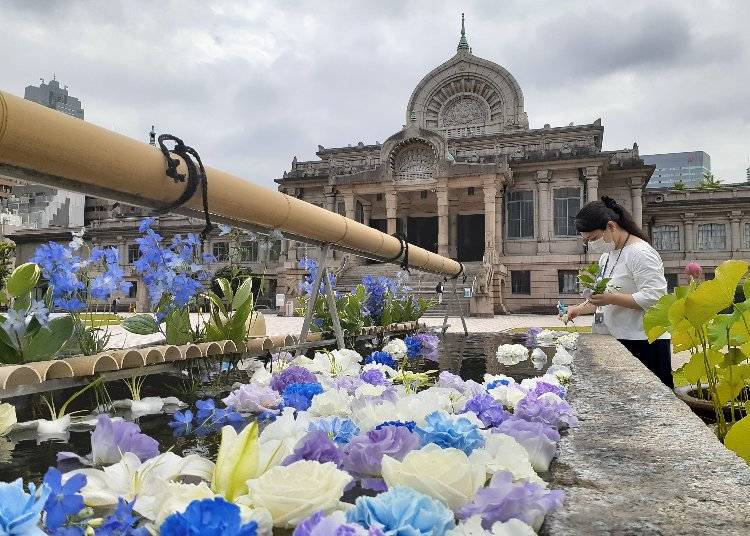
(252, 84)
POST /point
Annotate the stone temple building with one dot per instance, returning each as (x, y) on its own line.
(468, 178)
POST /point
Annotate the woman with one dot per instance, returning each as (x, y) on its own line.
(637, 282)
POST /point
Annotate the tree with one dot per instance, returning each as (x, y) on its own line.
(7, 250)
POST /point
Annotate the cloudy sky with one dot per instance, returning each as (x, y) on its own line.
(252, 84)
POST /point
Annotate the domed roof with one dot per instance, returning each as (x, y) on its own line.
(467, 96)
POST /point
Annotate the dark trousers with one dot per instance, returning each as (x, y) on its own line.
(657, 356)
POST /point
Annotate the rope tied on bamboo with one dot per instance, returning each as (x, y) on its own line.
(196, 176)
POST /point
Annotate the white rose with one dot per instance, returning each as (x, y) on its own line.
(448, 475)
(473, 527)
(511, 354)
(502, 452)
(562, 357)
(335, 402)
(175, 497)
(7, 417)
(367, 389)
(293, 492)
(507, 395)
(397, 348)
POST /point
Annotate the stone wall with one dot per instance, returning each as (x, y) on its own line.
(640, 462)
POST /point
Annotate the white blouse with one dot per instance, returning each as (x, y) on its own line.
(639, 272)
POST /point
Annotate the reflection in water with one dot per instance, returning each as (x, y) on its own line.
(468, 356)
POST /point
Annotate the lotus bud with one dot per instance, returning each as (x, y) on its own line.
(693, 270)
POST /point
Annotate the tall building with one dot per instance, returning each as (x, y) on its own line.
(671, 168)
(55, 97)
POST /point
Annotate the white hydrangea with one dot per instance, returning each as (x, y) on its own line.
(547, 336)
(569, 341)
(473, 527)
(511, 354)
(489, 378)
(560, 372)
(508, 395)
(334, 402)
(368, 390)
(562, 357)
(397, 348)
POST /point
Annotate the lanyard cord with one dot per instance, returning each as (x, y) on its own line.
(606, 263)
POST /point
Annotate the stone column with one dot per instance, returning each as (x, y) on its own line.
(349, 206)
(499, 221)
(330, 195)
(734, 217)
(443, 224)
(592, 183)
(688, 219)
(490, 199)
(367, 212)
(636, 198)
(453, 223)
(391, 205)
(543, 178)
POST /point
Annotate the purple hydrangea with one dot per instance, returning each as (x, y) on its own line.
(374, 377)
(539, 440)
(381, 358)
(504, 499)
(546, 410)
(448, 432)
(517, 427)
(487, 409)
(348, 383)
(542, 387)
(316, 446)
(299, 395)
(430, 345)
(453, 381)
(364, 454)
(333, 524)
(253, 398)
(110, 439)
(289, 375)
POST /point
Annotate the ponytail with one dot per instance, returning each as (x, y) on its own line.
(596, 214)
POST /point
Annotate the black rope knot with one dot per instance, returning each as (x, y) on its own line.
(404, 250)
(196, 176)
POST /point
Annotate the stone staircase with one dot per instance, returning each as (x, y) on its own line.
(422, 284)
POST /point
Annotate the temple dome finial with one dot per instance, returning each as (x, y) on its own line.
(463, 44)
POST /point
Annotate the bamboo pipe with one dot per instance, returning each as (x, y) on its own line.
(65, 152)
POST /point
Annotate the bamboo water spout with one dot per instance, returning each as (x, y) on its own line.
(45, 146)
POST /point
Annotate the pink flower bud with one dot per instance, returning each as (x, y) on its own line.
(693, 269)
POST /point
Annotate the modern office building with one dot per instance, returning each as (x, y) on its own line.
(671, 168)
(53, 96)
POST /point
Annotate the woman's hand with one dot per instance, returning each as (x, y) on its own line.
(607, 298)
(574, 311)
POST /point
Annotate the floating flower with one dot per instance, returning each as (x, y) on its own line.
(539, 440)
(397, 348)
(561, 373)
(121, 521)
(562, 356)
(238, 461)
(342, 431)
(430, 345)
(453, 381)
(502, 452)
(447, 432)
(20, 511)
(375, 377)
(293, 492)
(473, 527)
(110, 439)
(511, 354)
(382, 358)
(347, 383)
(402, 511)
(316, 446)
(409, 425)
(569, 341)
(290, 375)
(7, 417)
(208, 517)
(413, 346)
(253, 398)
(333, 524)
(300, 395)
(508, 395)
(504, 499)
(175, 497)
(547, 409)
(364, 454)
(487, 409)
(333, 402)
(446, 474)
(182, 422)
(64, 499)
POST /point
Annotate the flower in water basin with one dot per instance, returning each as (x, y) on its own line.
(64, 499)
(208, 517)
(20, 511)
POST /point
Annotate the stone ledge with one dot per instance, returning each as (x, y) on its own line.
(640, 462)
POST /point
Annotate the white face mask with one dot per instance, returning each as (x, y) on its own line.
(601, 246)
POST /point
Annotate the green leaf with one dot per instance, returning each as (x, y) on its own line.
(244, 293)
(738, 439)
(226, 289)
(141, 324)
(733, 357)
(23, 279)
(239, 324)
(47, 341)
(217, 302)
(730, 385)
(656, 320)
(695, 369)
(711, 297)
(178, 327)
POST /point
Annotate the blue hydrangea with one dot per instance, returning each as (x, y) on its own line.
(449, 432)
(208, 517)
(338, 429)
(487, 409)
(377, 288)
(413, 346)
(410, 425)
(299, 395)
(381, 358)
(20, 511)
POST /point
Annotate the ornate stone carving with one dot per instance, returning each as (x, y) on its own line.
(415, 161)
(463, 111)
